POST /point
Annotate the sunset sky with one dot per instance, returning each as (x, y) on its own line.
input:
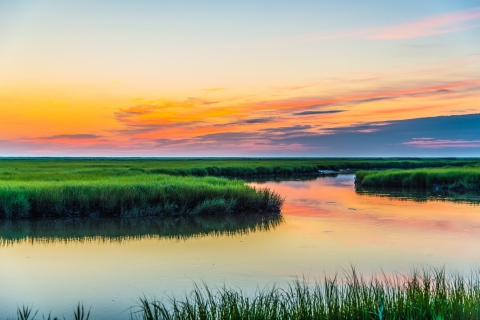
(240, 78)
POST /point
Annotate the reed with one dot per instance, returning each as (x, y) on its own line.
(425, 294)
(428, 293)
(142, 195)
(447, 178)
(27, 313)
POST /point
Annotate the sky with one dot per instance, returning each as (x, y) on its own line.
(240, 78)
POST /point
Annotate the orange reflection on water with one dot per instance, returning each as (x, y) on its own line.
(327, 227)
(447, 231)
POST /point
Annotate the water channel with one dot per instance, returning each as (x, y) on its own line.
(326, 227)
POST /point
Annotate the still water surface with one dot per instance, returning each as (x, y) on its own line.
(326, 226)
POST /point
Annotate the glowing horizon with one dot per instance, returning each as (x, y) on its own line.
(250, 79)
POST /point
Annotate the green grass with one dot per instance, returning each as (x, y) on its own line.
(126, 187)
(447, 178)
(60, 169)
(27, 313)
(424, 294)
(116, 230)
(140, 195)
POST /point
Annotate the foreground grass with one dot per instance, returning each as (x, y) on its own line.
(61, 169)
(142, 195)
(424, 294)
(459, 179)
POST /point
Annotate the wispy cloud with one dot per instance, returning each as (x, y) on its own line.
(451, 22)
(247, 121)
(429, 143)
(71, 136)
(307, 113)
(430, 26)
(213, 89)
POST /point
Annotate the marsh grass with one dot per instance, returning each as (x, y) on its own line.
(28, 313)
(127, 187)
(61, 169)
(455, 179)
(424, 294)
(428, 293)
(142, 195)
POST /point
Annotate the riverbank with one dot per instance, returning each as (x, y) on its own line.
(127, 187)
(424, 294)
(436, 179)
(139, 195)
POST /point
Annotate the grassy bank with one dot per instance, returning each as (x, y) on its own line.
(427, 294)
(459, 179)
(140, 195)
(117, 230)
(59, 169)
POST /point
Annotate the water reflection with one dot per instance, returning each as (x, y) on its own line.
(82, 230)
(108, 264)
(303, 177)
(421, 195)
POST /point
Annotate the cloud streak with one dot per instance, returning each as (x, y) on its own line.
(428, 143)
(430, 26)
(452, 22)
(72, 136)
(307, 113)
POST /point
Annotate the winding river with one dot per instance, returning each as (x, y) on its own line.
(326, 227)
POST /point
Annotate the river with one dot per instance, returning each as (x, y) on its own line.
(327, 227)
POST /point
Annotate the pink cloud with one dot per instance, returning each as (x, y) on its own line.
(429, 143)
(446, 23)
(440, 24)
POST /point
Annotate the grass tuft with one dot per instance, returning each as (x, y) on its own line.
(428, 293)
(425, 294)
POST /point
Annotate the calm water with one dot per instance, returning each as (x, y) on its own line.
(326, 226)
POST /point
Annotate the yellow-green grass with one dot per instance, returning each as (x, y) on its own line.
(39, 187)
(59, 169)
(138, 195)
(460, 179)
